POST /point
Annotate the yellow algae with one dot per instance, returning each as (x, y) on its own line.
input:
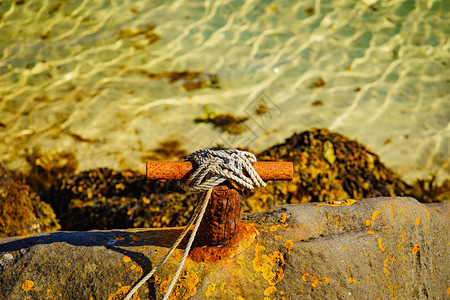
(415, 249)
(27, 285)
(368, 223)
(417, 221)
(381, 244)
(270, 266)
(370, 232)
(375, 215)
(126, 259)
(352, 280)
(305, 277)
(270, 290)
(121, 293)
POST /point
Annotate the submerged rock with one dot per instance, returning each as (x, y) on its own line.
(381, 248)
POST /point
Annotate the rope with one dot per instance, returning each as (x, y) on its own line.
(212, 168)
(216, 166)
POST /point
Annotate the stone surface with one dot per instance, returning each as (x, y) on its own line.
(365, 249)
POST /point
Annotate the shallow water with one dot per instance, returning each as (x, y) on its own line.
(74, 76)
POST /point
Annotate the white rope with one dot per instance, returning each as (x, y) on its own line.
(216, 166)
(212, 168)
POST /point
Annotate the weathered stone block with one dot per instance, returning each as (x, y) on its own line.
(370, 249)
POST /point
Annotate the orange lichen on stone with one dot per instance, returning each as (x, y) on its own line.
(375, 215)
(133, 267)
(385, 270)
(27, 285)
(417, 221)
(448, 291)
(305, 277)
(415, 249)
(185, 286)
(370, 232)
(213, 290)
(126, 259)
(368, 223)
(352, 280)
(289, 244)
(326, 280)
(283, 218)
(316, 281)
(271, 289)
(381, 244)
(270, 266)
(121, 293)
(273, 228)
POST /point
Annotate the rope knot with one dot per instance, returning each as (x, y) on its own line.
(215, 166)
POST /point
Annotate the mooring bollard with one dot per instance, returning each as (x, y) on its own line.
(223, 214)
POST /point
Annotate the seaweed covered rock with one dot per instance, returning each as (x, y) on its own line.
(328, 166)
(105, 199)
(21, 211)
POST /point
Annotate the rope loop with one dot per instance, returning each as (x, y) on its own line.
(212, 167)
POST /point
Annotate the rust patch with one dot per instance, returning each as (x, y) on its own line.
(243, 238)
(27, 285)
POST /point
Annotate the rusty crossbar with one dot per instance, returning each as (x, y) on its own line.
(157, 170)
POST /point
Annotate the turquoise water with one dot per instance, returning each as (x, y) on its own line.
(74, 76)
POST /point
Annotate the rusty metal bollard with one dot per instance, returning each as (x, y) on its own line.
(223, 214)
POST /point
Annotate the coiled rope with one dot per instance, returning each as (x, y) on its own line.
(212, 167)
